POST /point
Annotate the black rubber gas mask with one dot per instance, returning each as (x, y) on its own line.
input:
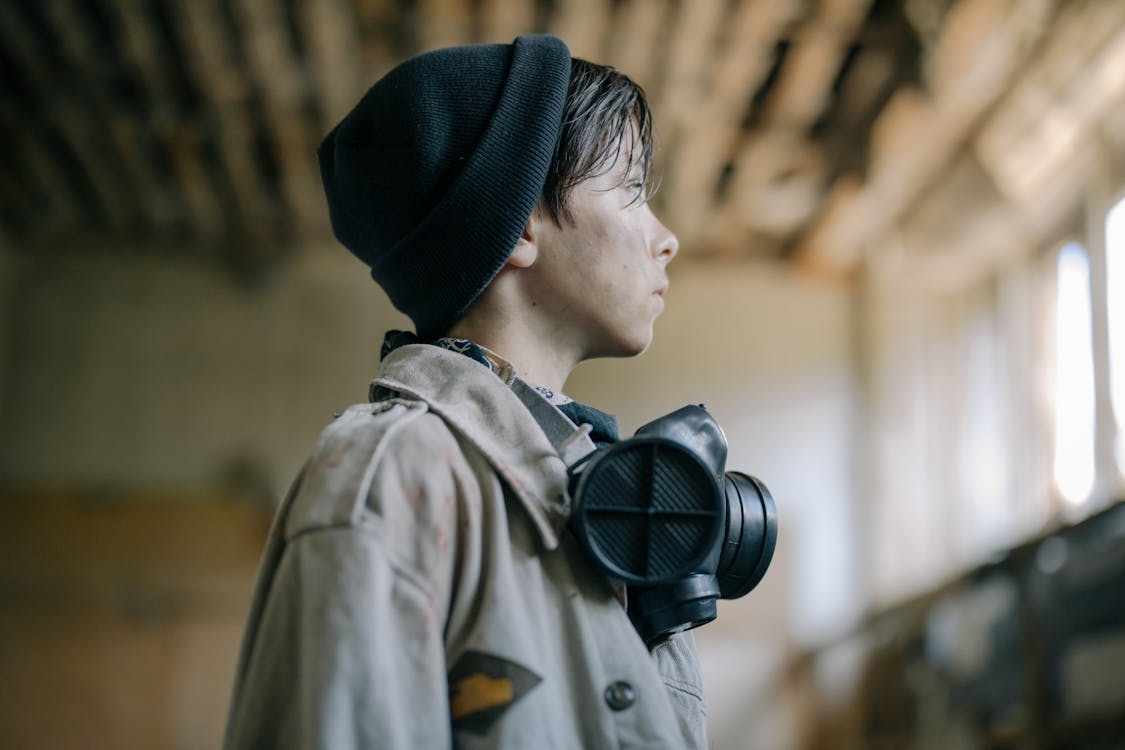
(660, 512)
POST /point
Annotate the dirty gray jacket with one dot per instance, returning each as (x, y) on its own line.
(420, 589)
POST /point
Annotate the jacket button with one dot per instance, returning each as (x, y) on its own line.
(620, 695)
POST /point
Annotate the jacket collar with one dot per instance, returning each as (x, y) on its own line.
(479, 406)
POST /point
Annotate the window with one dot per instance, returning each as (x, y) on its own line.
(995, 405)
(1115, 304)
(1074, 378)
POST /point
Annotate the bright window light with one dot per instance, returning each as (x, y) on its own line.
(1074, 378)
(1115, 294)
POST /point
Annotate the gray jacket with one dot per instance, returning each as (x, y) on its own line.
(420, 589)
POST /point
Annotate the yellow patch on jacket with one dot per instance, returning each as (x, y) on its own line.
(477, 692)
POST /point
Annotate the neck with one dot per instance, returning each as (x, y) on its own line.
(536, 358)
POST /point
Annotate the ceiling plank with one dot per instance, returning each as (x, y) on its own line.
(63, 114)
(211, 64)
(19, 201)
(815, 55)
(373, 17)
(444, 23)
(805, 84)
(694, 37)
(978, 54)
(335, 57)
(776, 185)
(819, 251)
(738, 69)
(781, 185)
(583, 25)
(1057, 102)
(503, 20)
(61, 206)
(682, 116)
(127, 137)
(280, 79)
(179, 140)
(634, 42)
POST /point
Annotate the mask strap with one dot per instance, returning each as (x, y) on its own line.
(572, 443)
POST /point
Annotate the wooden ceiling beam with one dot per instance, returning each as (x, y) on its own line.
(583, 25)
(746, 58)
(1058, 100)
(20, 203)
(62, 113)
(963, 232)
(739, 71)
(695, 31)
(285, 89)
(444, 23)
(805, 83)
(502, 21)
(778, 183)
(681, 113)
(179, 140)
(815, 55)
(778, 176)
(61, 206)
(335, 57)
(634, 45)
(211, 63)
(979, 53)
(129, 139)
(373, 17)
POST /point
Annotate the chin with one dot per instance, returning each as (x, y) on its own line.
(628, 346)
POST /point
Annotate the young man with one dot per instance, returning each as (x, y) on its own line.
(421, 588)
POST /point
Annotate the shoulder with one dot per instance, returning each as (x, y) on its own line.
(370, 458)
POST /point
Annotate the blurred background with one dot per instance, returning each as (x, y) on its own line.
(901, 290)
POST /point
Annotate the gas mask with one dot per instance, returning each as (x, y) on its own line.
(660, 513)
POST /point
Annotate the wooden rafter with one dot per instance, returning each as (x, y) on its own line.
(213, 67)
(179, 141)
(979, 54)
(786, 128)
(62, 114)
(35, 172)
(635, 41)
(741, 67)
(335, 59)
(444, 23)
(373, 19)
(283, 85)
(681, 108)
(501, 21)
(126, 135)
(583, 24)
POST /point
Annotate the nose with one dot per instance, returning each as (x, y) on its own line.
(665, 245)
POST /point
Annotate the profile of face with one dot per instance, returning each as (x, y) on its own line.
(600, 273)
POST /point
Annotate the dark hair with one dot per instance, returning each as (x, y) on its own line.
(605, 117)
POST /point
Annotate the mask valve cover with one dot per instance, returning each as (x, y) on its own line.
(652, 510)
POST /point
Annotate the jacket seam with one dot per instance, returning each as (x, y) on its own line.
(684, 687)
(396, 567)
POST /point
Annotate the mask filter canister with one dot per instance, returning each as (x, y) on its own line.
(658, 512)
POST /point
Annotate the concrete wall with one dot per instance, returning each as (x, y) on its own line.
(140, 370)
(155, 372)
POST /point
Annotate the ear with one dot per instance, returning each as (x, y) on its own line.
(526, 250)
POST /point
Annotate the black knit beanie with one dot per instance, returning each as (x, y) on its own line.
(431, 178)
